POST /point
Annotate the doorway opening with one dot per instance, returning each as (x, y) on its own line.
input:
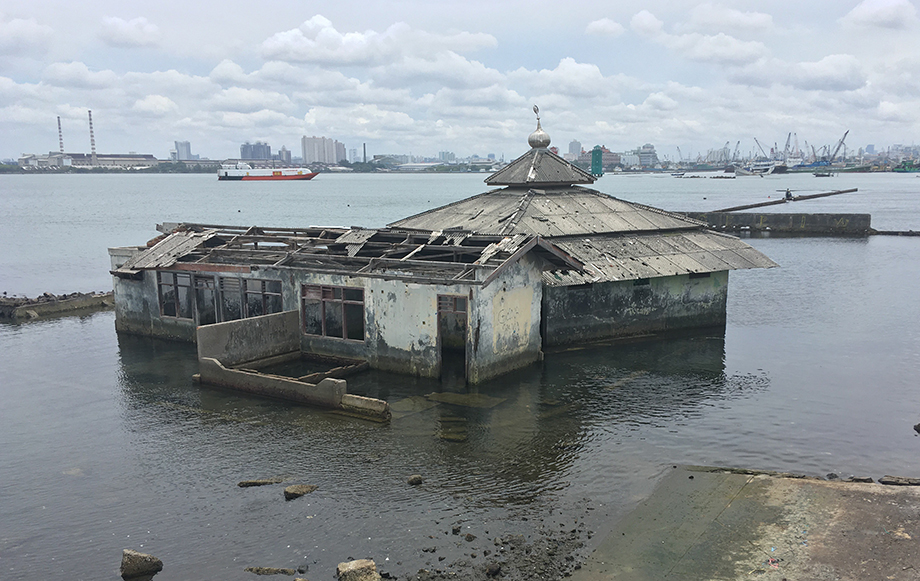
(452, 337)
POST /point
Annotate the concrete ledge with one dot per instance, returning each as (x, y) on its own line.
(705, 523)
(826, 224)
(366, 406)
(50, 305)
(328, 393)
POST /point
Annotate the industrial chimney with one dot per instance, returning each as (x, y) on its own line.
(92, 141)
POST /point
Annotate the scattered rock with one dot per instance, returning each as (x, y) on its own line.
(359, 570)
(493, 569)
(415, 479)
(456, 530)
(917, 428)
(470, 537)
(260, 482)
(833, 476)
(863, 479)
(271, 571)
(297, 490)
(134, 565)
(899, 481)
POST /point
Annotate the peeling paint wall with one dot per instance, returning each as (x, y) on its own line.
(621, 309)
(505, 322)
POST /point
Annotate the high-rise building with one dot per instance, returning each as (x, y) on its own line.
(257, 150)
(322, 150)
(284, 155)
(575, 147)
(647, 155)
(353, 155)
(183, 151)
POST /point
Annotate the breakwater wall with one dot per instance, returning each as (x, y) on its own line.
(788, 223)
(15, 308)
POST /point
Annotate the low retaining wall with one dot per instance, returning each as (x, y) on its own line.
(328, 393)
(826, 224)
(237, 342)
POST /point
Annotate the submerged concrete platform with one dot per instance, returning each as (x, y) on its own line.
(710, 523)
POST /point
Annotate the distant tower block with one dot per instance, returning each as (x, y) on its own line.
(60, 135)
(92, 141)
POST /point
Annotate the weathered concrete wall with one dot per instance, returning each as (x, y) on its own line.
(137, 310)
(402, 325)
(621, 309)
(837, 224)
(505, 322)
(236, 342)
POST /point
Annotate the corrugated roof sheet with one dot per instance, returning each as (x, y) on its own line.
(166, 252)
(634, 256)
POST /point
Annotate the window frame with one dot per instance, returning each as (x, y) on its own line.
(325, 297)
(170, 280)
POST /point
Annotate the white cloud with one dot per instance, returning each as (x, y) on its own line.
(605, 27)
(77, 74)
(836, 72)
(718, 48)
(250, 100)
(129, 33)
(898, 112)
(446, 69)
(660, 102)
(20, 36)
(891, 14)
(709, 17)
(317, 41)
(646, 24)
(155, 106)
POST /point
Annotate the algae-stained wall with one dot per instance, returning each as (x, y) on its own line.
(505, 321)
(623, 308)
(137, 310)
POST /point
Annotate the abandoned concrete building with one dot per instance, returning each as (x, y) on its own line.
(538, 261)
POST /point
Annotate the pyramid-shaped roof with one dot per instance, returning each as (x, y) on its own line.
(540, 168)
(551, 212)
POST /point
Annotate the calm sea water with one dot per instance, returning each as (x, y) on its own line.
(105, 442)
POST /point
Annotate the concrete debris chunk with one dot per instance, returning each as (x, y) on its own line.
(271, 571)
(298, 490)
(359, 570)
(136, 565)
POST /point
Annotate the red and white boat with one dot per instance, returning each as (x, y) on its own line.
(243, 172)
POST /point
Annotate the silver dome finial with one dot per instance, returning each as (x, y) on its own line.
(539, 139)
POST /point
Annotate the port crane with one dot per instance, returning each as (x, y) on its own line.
(839, 145)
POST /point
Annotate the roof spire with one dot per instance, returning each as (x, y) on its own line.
(539, 139)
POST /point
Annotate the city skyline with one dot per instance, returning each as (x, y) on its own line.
(426, 77)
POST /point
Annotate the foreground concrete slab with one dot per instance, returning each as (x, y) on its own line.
(707, 523)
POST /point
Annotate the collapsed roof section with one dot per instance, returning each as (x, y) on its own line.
(440, 257)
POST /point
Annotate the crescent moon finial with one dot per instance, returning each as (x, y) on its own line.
(537, 111)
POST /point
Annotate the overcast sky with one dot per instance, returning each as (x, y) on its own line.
(428, 76)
